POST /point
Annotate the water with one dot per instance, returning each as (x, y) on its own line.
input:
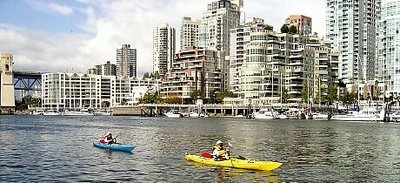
(47, 148)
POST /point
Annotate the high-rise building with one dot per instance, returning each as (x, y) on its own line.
(352, 26)
(126, 61)
(189, 33)
(301, 22)
(107, 69)
(220, 17)
(239, 39)
(163, 49)
(389, 46)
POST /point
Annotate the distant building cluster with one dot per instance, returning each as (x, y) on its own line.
(224, 51)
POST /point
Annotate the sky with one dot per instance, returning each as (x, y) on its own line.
(74, 35)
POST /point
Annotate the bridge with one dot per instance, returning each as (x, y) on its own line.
(27, 81)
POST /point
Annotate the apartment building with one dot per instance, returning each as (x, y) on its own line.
(302, 23)
(194, 69)
(163, 48)
(352, 26)
(283, 67)
(69, 91)
(389, 47)
(107, 69)
(239, 40)
(126, 61)
(189, 32)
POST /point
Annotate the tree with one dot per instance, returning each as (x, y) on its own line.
(321, 97)
(27, 101)
(105, 104)
(304, 93)
(146, 75)
(221, 95)
(285, 95)
(268, 27)
(332, 94)
(124, 101)
(156, 75)
(173, 100)
(284, 28)
(150, 97)
(377, 93)
(195, 94)
(292, 30)
(348, 98)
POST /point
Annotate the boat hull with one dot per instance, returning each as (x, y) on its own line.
(320, 117)
(236, 163)
(114, 147)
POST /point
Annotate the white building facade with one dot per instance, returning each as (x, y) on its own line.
(71, 91)
(389, 46)
(189, 32)
(163, 48)
(352, 26)
(239, 40)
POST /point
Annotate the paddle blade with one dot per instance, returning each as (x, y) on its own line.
(207, 155)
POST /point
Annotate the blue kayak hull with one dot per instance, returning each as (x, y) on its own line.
(115, 147)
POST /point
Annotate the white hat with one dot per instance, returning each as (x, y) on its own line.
(218, 142)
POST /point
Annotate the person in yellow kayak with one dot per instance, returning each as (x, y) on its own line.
(219, 153)
(109, 139)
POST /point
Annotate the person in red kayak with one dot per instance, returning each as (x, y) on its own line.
(109, 139)
(219, 153)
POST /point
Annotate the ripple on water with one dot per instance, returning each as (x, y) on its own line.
(39, 149)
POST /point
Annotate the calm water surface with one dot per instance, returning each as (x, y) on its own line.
(47, 148)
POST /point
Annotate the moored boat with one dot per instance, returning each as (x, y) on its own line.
(264, 114)
(363, 115)
(320, 116)
(173, 114)
(115, 147)
(236, 163)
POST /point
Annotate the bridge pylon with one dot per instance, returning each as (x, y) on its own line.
(7, 98)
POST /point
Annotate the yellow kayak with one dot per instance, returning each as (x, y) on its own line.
(236, 163)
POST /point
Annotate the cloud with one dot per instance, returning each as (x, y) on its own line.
(110, 23)
(52, 7)
(61, 9)
(40, 51)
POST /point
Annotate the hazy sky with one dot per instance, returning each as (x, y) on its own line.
(73, 35)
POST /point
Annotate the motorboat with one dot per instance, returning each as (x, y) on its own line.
(264, 114)
(363, 115)
(51, 113)
(204, 114)
(102, 113)
(173, 114)
(319, 116)
(194, 114)
(292, 113)
(82, 112)
(395, 116)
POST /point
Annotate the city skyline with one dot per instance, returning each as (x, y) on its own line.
(79, 34)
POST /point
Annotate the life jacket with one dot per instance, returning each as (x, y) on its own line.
(108, 138)
(220, 150)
